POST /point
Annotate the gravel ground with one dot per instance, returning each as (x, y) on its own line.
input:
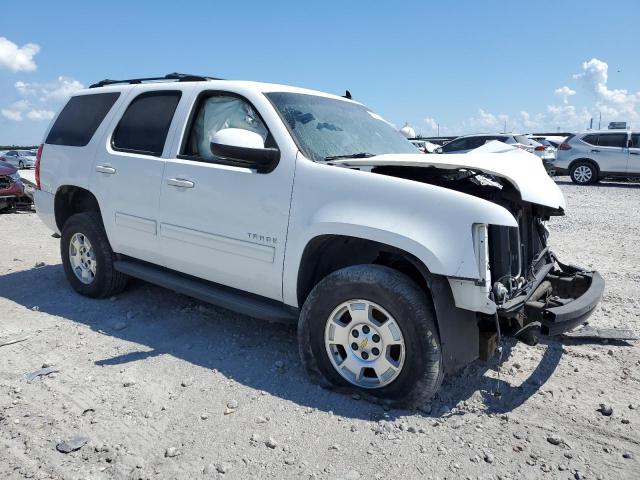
(163, 386)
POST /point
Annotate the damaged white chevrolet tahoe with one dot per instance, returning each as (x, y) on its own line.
(295, 205)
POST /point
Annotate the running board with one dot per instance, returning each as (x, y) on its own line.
(231, 299)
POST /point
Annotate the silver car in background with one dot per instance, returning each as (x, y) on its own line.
(592, 156)
(20, 158)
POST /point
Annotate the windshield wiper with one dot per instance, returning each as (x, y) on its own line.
(349, 155)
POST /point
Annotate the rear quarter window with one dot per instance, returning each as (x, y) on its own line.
(80, 118)
(591, 139)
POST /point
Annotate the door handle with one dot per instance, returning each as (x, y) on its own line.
(180, 182)
(105, 169)
(595, 151)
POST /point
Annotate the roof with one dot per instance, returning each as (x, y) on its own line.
(187, 79)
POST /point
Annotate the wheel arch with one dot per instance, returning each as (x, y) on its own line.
(71, 199)
(584, 160)
(458, 329)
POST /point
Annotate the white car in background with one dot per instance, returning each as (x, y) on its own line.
(20, 158)
(425, 146)
(466, 143)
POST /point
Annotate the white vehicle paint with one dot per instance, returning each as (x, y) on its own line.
(243, 184)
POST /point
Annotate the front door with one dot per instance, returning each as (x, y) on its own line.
(222, 221)
(128, 173)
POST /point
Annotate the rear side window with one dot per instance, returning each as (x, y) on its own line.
(635, 140)
(613, 140)
(591, 139)
(80, 118)
(144, 126)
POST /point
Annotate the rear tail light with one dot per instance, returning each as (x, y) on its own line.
(540, 148)
(564, 146)
(38, 158)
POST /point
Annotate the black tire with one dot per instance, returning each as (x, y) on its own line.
(21, 164)
(412, 309)
(107, 280)
(584, 164)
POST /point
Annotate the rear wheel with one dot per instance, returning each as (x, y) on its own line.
(20, 164)
(87, 257)
(371, 329)
(584, 173)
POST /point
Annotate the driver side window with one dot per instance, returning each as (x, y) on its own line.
(216, 112)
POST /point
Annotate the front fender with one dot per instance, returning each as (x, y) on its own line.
(432, 223)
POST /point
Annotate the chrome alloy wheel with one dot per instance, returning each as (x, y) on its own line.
(365, 344)
(82, 258)
(583, 174)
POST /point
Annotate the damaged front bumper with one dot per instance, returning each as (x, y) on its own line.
(566, 298)
(559, 298)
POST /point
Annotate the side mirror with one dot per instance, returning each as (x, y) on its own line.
(244, 146)
(439, 150)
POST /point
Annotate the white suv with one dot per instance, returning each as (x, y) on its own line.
(295, 205)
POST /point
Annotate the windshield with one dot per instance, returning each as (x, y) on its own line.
(327, 127)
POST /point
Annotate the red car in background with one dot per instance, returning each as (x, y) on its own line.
(11, 188)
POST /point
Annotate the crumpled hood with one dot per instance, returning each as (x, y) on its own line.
(522, 169)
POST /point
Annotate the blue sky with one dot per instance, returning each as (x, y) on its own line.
(467, 65)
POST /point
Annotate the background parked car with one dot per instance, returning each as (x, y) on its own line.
(20, 158)
(591, 156)
(467, 143)
(553, 140)
(425, 146)
(11, 188)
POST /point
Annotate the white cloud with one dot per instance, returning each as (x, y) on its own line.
(17, 111)
(40, 115)
(431, 123)
(14, 115)
(57, 90)
(40, 99)
(618, 103)
(613, 104)
(485, 122)
(564, 93)
(17, 59)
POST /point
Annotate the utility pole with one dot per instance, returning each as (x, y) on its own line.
(438, 129)
(505, 126)
(599, 120)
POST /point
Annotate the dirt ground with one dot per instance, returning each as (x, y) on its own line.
(163, 386)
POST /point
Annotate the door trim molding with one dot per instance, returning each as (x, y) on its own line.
(221, 243)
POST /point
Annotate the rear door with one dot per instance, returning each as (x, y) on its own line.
(128, 170)
(634, 154)
(612, 153)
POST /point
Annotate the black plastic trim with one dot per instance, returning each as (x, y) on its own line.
(176, 77)
(223, 296)
(561, 319)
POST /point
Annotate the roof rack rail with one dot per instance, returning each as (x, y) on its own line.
(177, 77)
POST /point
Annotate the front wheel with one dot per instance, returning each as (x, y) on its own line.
(20, 164)
(371, 329)
(87, 257)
